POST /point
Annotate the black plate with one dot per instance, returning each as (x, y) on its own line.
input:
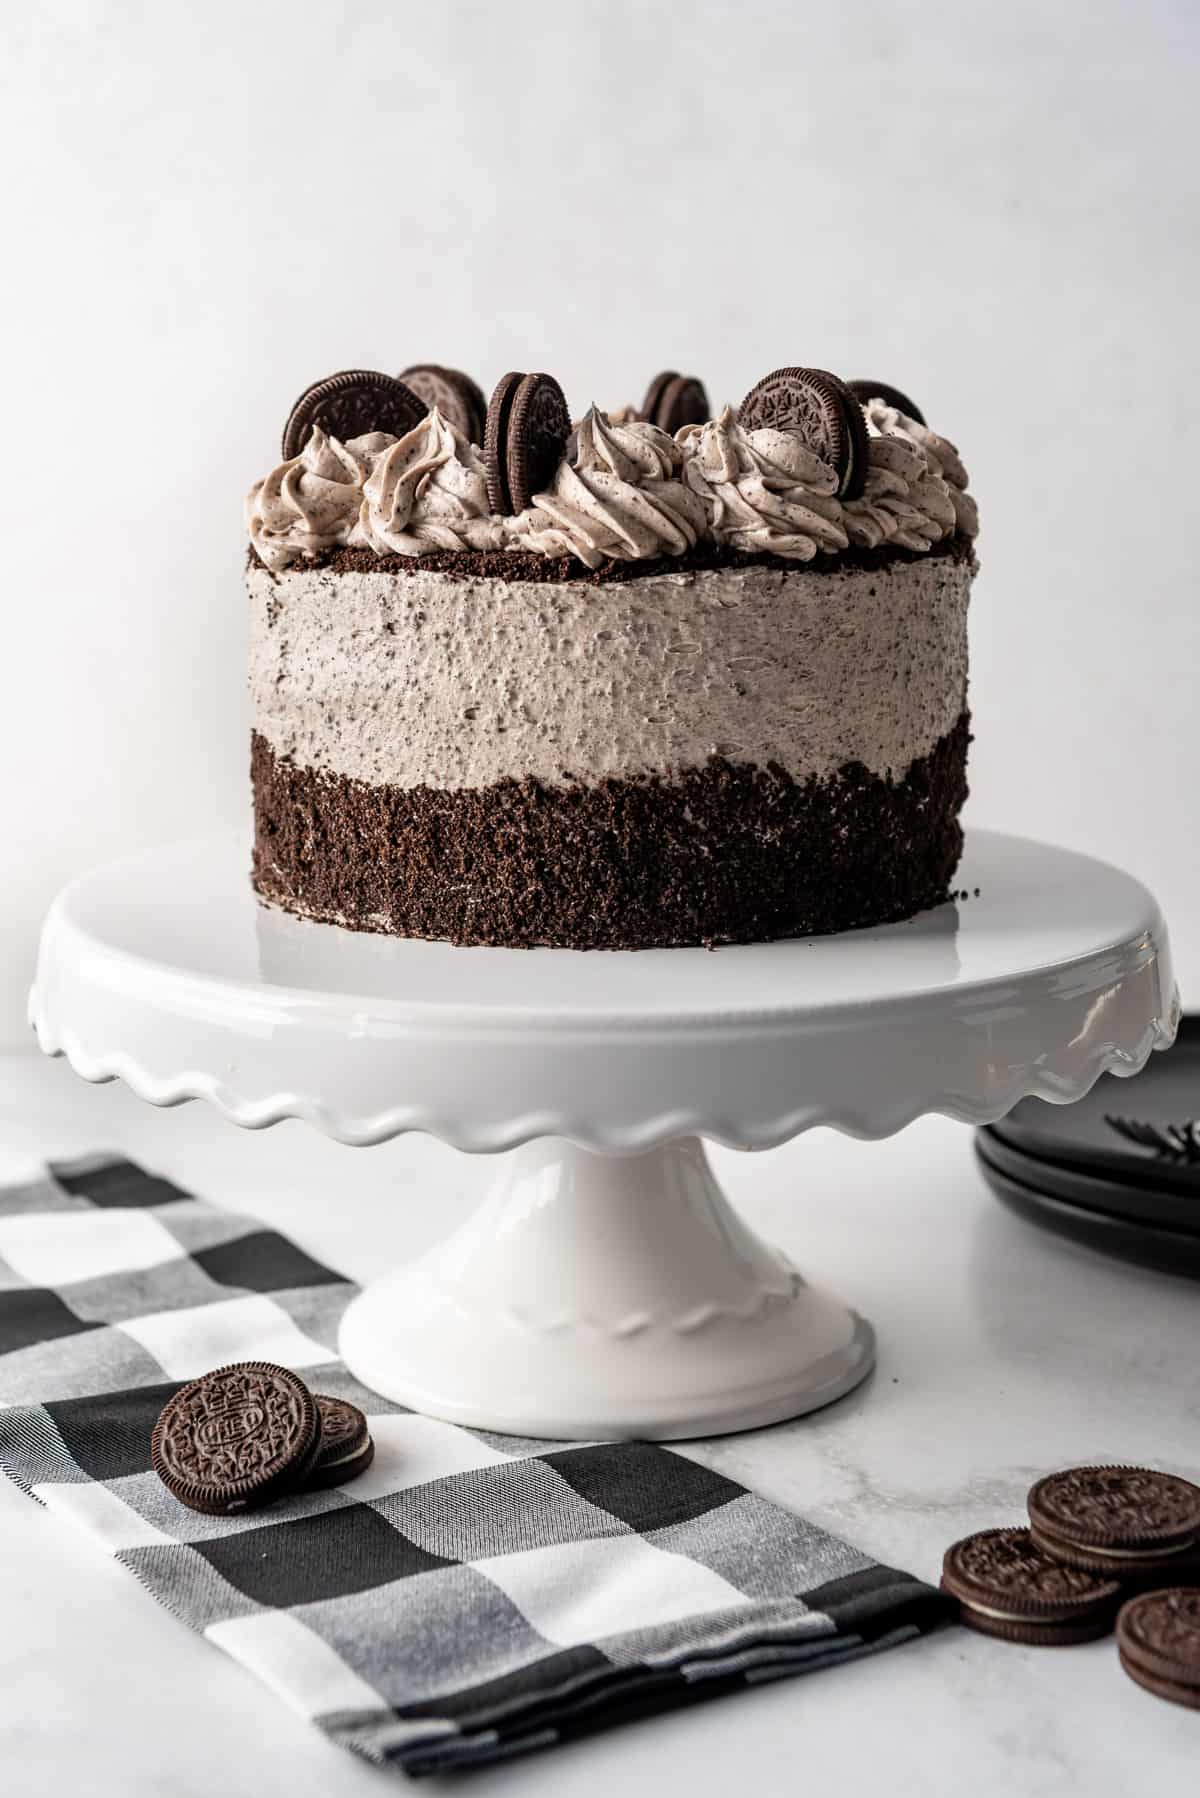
(1167, 1091)
(1136, 1204)
(1173, 1251)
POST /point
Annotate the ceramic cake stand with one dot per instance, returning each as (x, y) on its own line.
(605, 1287)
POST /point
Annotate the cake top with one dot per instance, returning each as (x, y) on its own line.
(808, 466)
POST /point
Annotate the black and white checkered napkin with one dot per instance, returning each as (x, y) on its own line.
(471, 1595)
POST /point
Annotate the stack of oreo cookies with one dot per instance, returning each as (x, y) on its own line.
(1119, 1170)
(244, 1436)
(1104, 1547)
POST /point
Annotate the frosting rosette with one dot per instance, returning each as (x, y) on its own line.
(427, 491)
(762, 490)
(312, 501)
(941, 455)
(619, 495)
(905, 502)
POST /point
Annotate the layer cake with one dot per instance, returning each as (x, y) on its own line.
(706, 686)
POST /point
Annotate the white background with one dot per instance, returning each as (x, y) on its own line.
(210, 206)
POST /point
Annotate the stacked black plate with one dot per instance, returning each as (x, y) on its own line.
(1119, 1170)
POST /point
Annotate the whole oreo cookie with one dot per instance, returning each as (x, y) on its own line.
(349, 405)
(237, 1438)
(1158, 1633)
(528, 425)
(654, 393)
(865, 391)
(456, 396)
(1131, 1522)
(673, 400)
(346, 1446)
(822, 410)
(1007, 1586)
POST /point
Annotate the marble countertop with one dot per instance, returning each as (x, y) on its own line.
(1002, 1353)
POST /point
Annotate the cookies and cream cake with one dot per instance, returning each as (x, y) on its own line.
(660, 678)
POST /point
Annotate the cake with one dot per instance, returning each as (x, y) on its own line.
(654, 679)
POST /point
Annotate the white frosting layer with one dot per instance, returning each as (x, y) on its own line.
(423, 679)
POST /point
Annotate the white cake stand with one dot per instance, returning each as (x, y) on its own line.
(604, 1287)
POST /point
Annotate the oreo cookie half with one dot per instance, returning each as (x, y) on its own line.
(456, 396)
(864, 391)
(349, 405)
(1158, 1634)
(528, 425)
(1007, 1586)
(822, 410)
(237, 1438)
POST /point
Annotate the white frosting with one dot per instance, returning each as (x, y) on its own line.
(762, 490)
(426, 679)
(939, 452)
(428, 490)
(311, 502)
(905, 502)
(619, 495)
(627, 492)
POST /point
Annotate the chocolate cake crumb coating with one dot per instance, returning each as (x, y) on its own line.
(530, 565)
(726, 853)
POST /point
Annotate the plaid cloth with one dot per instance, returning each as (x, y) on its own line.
(472, 1595)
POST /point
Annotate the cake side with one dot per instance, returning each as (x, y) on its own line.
(705, 756)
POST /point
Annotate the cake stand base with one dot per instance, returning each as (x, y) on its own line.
(593, 1296)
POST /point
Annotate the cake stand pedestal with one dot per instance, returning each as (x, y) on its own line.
(605, 1287)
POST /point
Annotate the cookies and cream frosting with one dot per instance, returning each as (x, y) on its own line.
(620, 494)
(454, 684)
(626, 491)
(428, 490)
(763, 490)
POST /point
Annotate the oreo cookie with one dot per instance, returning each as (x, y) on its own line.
(1158, 1637)
(349, 405)
(823, 411)
(456, 396)
(525, 439)
(1007, 1586)
(237, 1438)
(864, 391)
(346, 1446)
(654, 393)
(674, 400)
(1127, 1522)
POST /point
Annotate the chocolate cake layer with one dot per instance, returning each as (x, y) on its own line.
(724, 853)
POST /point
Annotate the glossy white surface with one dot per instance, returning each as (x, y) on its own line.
(163, 970)
(595, 1296)
(1002, 1353)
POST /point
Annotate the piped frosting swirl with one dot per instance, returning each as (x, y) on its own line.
(626, 491)
(618, 494)
(311, 502)
(762, 490)
(427, 490)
